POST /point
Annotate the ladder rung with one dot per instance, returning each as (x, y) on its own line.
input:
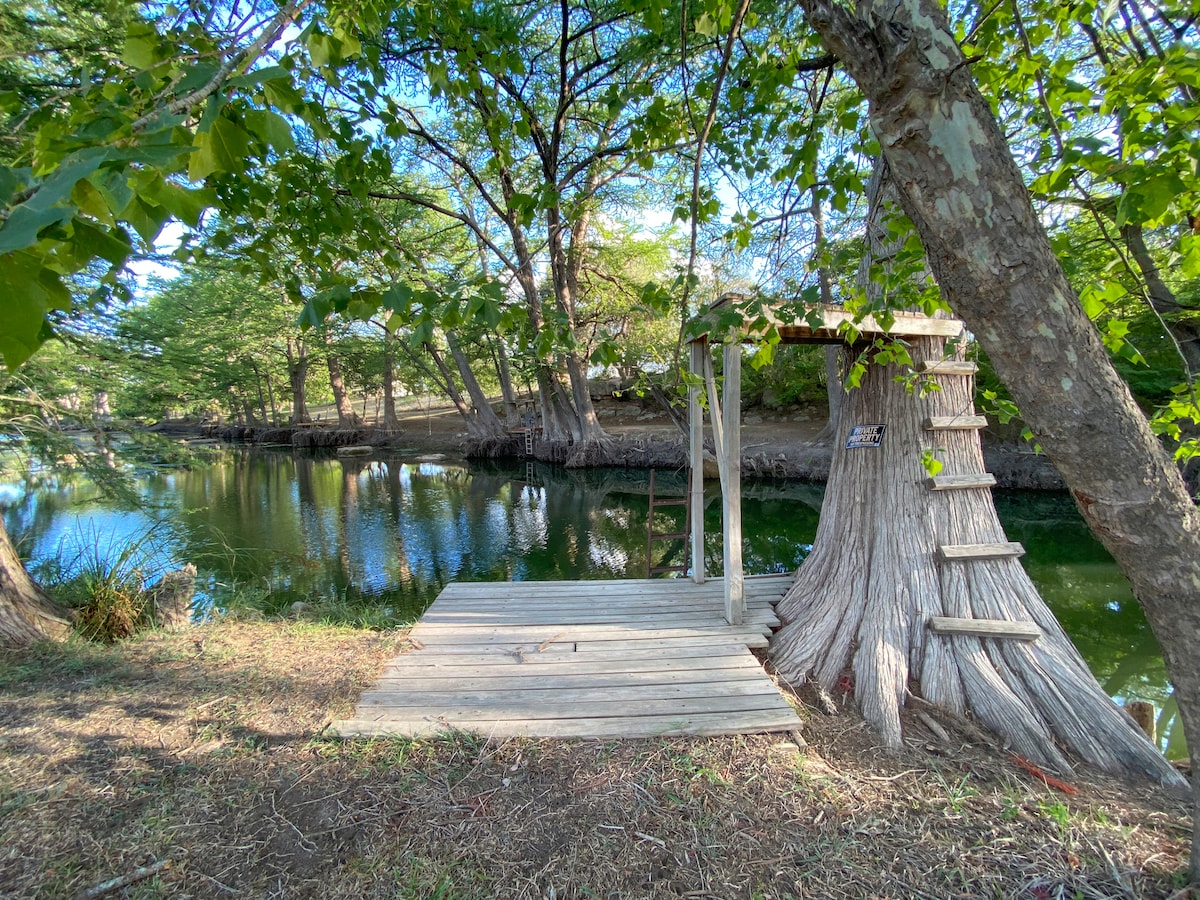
(965, 552)
(670, 501)
(654, 570)
(948, 367)
(960, 482)
(670, 536)
(955, 423)
(994, 628)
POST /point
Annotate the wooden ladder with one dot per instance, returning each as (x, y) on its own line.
(967, 553)
(652, 535)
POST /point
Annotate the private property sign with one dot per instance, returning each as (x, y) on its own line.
(865, 436)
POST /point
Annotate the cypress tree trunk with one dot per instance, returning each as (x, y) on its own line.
(864, 597)
(26, 613)
(390, 421)
(297, 358)
(347, 417)
(985, 243)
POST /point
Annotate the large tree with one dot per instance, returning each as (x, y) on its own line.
(535, 115)
(991, 257)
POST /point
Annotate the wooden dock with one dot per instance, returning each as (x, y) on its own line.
(589, 659)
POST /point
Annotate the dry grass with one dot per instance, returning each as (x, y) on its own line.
(206, 748)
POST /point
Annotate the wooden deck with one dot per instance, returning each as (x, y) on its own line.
(593, 659)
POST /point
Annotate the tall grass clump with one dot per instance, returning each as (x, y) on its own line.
(104, 580)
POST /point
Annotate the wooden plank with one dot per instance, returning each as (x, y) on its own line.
(948, 367)
(433, 660)
(712, 593)
(678, 588)
(599, 727)
(534, 698)
(697, 350)
(615, 606)
(753, 640)
(955, 423)
(763, 599)
(425, 687)
(960, 482)
(994, 628)
(999, 550)
(582, 709)
(552, 634)
(536, 618)
(585, 587)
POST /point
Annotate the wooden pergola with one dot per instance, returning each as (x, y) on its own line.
(813, 324)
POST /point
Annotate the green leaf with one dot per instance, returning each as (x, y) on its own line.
(23, 306)
(24, 223)
(321, 48)
(705, 25)
(223, 148)
(141, 46)
(933, 466)
(11, 181)
(90, 242)
(271, 128)
(184, 204)
(398, 298)
(146, 218)
(261, 76)
(283, 95)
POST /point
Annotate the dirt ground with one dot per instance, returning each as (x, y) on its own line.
(201, 762)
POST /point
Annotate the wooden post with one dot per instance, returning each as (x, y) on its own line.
(731, 508)
(698, 349)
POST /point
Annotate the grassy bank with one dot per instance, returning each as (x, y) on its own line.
(202, 756)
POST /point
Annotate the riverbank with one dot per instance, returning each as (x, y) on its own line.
(781, 442)
(207, 751)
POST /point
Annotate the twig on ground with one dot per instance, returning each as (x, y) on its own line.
(121, 881)
(938, 731)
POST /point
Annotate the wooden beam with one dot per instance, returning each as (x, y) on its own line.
(819, 323)
(960, 482)
(965, 552)
(955, 423)
(697, 350)
(993, 628)
(948, 367)
(735, 593)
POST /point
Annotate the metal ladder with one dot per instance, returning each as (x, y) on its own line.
(652, 536)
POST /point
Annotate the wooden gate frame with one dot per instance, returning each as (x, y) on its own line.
(814, 324)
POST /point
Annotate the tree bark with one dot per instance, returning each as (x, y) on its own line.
(1163, 301)
(986, 246)
(347, 417)
(485, 426)
(26, 613)
(512, 414)
(865, 594)
(390, 421)
(297, 360)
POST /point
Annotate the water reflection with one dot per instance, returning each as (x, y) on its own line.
(395, 531)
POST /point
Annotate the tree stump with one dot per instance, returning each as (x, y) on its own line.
(169, 601)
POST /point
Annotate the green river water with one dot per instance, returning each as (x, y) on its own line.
(392, 531)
